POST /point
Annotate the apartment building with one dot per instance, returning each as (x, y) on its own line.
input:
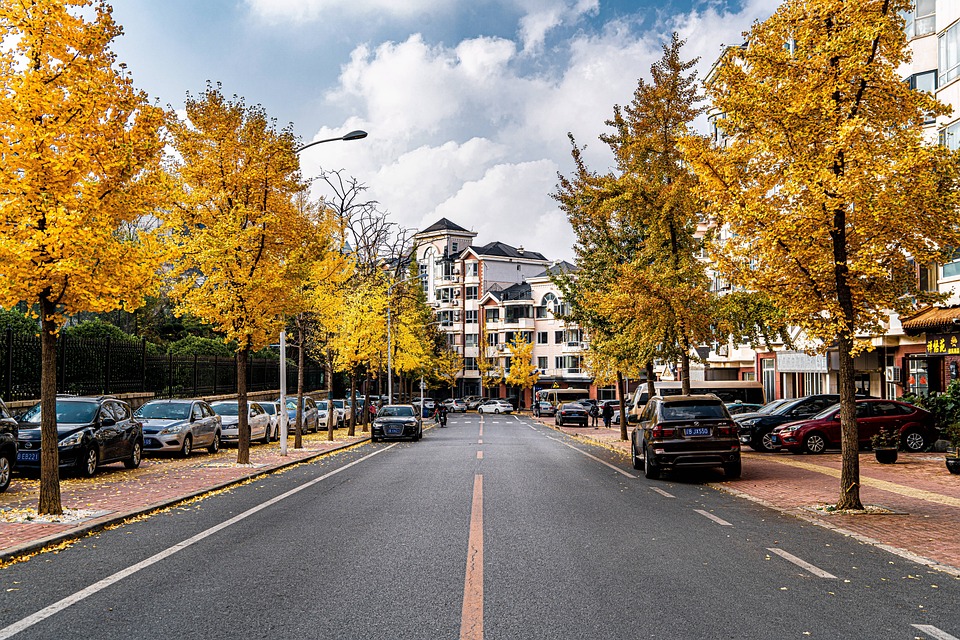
(490, 294)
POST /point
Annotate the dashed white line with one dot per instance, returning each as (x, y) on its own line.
(707, 514)
(789, 557)
(663, 493)
(60, 605)
(933, 632)
(603, 462)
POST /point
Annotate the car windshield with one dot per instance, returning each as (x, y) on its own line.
(226, 408)
(164, 411)
(692, 410)
(68, 412)
(269, 407)
(322, 405)
(338, 404)
(291, 403)
(773, 407)
(396, 412)
(829, 411)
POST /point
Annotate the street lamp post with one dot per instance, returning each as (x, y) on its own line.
(284, 419)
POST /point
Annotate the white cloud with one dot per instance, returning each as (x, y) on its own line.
(544, 15)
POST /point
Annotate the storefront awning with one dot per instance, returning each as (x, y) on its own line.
(932, 318)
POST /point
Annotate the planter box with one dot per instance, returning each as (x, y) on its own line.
(953, 465)
(886, 456)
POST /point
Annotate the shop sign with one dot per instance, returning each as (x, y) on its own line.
(800, 362)
(943, 344)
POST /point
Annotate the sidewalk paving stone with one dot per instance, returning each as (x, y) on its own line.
(117, 493)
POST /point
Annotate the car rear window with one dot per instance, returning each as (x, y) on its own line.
(692, 410)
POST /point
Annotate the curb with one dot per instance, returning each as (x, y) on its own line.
(101, 523)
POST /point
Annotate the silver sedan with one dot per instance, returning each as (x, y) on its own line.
(258, 419)
(179, 426)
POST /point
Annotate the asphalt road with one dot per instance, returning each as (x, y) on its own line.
(494, 528)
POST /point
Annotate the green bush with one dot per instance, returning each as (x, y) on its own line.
(945, 408)
(96, 330)
(21, 324)
(196, 346)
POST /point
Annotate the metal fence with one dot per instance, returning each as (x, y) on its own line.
(92, 367)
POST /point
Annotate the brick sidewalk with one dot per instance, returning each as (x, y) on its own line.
(116, 493)
(918, 487)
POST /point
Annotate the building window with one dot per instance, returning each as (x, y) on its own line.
(768, 375)
(492, 315)
(470, 316)
(472, 292)
(952, 268)
(514, 313)
(950, 136)
(541, 312)
(922, 20)
(541, 337)
(473, 268)
(949, 58)
(470, 363)
(542, 363)
(493, 339)
(470, 340)
(454, 247)
(558, 337)
(918, 381)
(558, 362)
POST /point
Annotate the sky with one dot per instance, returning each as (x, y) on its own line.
(467, 103)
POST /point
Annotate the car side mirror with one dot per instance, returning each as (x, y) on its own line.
(107, 422)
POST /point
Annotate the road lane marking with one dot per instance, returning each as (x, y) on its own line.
(479, 455)
(663, 493)
(55, 608)
(481, 429)
(471, 618)
(933, 632)
(707, 514)
(789, 557)
(592, 457)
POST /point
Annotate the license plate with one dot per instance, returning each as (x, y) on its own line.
(28, 456)
(774, 439)
(696, 431)
(394, 432)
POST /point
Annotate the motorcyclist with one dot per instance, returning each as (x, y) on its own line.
(440, 414)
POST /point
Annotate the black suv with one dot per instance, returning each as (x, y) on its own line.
(685, 431)
(8, 446)
(90, 431)
(755, 428)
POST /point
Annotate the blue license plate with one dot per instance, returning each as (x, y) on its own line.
(394, 432)
(696, 431)
(28, 456)
(774, 439)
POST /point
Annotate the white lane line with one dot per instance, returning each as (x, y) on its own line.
(789, 557)
(933, 632)
(663, 493)
(603, 462)
(57, 607)
(707, 514)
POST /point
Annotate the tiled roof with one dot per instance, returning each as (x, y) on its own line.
(443, 225)
(931, 318)
(506, 251)
(558, 267)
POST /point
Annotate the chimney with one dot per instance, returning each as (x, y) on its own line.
(520, 249)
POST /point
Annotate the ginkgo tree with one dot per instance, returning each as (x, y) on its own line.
(81, 162)
(233, 225)
(827, 187)
(522, 372)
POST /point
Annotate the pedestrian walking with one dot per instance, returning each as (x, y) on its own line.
(594, 412)
(607, 414)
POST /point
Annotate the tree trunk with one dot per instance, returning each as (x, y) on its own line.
(849, 440)
(331, 410)
(623, 406)
(243, 424)
(651, 389)
(685, 366)
(49, 455)
(352, 429)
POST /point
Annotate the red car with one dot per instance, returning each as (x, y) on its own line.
(821, 431)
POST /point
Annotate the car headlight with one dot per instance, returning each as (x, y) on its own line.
(72, 440)
(749, 422)
(174, 428)
(789, 429)
(412, 423)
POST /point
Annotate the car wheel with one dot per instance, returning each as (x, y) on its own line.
(637, 460)
(88, 463)
(913, 441)
(135, 456)
(732, 470)
(814, 443)
(767, 444)
(187, 447)
(266, 436)
(497, 410)
(651, 469)
(215, 445)
(6, 471)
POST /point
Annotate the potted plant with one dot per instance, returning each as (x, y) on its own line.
(952, 433)
(885, 444)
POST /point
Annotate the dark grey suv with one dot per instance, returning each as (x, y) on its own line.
(674, 432)
(8, 446)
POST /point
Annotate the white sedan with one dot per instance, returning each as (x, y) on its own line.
(495, 405)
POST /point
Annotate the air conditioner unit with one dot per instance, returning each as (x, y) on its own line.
(456, 293)
(894, 374)
(500, 347)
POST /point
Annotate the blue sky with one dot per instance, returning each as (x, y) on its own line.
(467, 102)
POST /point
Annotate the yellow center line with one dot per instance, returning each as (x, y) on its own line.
(471, 619)
(910, 492)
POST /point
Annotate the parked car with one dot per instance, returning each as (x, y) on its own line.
(91, 431)
(737, 408)
(258, 419)
(755, 428)
(311, 421)
(8, 446)
(680, 431)
(322, 414)
(473, 402)
(179, 426)
(543, 408)
(572, 413)
(395, 421)
(455, 405)
(273, 408)
(345, 408)
(495, 405)
(822, 431)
